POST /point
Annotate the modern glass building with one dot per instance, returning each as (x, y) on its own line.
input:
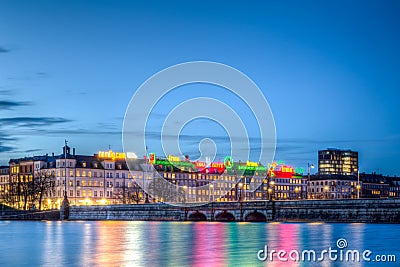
(337, 161)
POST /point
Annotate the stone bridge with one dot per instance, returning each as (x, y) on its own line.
(344, 210)
(255, 211)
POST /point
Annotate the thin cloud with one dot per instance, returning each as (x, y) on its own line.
(5, 148)
(33, 121)
(4, 50)
(3, 140)
(5, 104)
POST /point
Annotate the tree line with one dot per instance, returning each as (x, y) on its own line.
(22, 193)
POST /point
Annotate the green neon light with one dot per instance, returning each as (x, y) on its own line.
(228, 162)
(251, 168)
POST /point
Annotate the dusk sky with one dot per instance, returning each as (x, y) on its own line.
(328, 69)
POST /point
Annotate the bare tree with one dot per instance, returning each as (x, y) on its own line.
(9, 196)
(166, 191)
(134, 193)
(44, 185)
(26, 191)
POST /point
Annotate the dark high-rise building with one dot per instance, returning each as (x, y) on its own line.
(337, 161)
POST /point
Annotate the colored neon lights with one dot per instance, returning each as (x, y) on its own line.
(111, 155)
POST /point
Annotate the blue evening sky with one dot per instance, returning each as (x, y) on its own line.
(329, 70)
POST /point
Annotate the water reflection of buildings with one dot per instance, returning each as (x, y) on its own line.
(206, 253)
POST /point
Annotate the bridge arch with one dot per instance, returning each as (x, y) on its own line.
(197, 216)
(255, 216)
(225, 216)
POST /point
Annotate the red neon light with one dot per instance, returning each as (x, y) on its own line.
(152, 158)
(218, 165)
(282, 171)
(200, 165)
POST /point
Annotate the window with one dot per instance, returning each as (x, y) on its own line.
(117, 175)
(83, 183)
(84, 193)
(101, 193)
(123, 175)
(71, 193)
(95, 193)
(117, 184)
(94, 174)
(78, 193)
(78, 183)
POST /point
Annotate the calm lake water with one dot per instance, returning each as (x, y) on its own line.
(108, 243)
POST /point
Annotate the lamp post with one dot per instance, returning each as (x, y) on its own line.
(211, 190)
(65, 169)
(358, 184)
(326, 189)
(271, 189)
(269, 193)
(184, 193)
(240, 191)
(310, 166)
(296, 190)
(65, 203)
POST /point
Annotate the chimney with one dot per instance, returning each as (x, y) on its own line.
(52, 154)
(73, 151)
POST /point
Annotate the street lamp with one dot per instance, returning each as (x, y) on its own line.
(271, 189)
(296, 190)
(358, 184)
(184, 193)
(326, 189)
(310, 166)
(240, 191)
(211, 190)
(269, 193)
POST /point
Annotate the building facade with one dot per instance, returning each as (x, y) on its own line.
(336, 161)
(375, 185)
(4, 181)
(334, 186)
(103, 178)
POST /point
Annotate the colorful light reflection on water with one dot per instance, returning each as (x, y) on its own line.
(111, 243)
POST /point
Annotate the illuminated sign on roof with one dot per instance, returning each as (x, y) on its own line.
(111, 155)
(278, 169)
(172, 158)
(251, 166)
